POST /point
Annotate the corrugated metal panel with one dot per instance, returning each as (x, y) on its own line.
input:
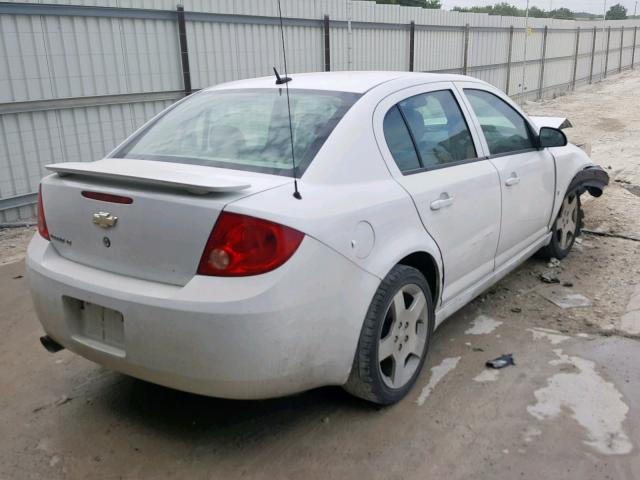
(31, 140)
(49, 56)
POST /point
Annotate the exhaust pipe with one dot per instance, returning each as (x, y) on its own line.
(50, 344)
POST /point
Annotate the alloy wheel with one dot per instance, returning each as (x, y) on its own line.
(403, 336)
(567, 222)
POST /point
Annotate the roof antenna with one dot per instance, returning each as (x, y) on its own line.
(279, 81)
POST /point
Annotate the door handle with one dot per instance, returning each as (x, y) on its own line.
(514, 179)
(444, 201)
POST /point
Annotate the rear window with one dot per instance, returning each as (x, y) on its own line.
(243, 130)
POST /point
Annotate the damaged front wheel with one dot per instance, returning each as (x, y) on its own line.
(566, 227)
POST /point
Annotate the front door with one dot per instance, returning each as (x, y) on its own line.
(527, 174)
(434, 155)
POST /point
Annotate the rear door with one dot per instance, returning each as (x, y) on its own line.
(434, 154)
(527, 174)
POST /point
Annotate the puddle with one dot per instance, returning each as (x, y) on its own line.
(437, 373)
(553, 336)
(593, 402)
(487, 376)
(483, 325)
(565, 298)
(530, 434)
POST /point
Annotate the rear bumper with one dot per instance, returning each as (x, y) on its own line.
(275, 334)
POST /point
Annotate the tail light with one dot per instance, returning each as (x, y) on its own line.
(240, 246)
(42, 222)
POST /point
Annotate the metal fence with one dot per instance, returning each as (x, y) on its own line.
(77, 78)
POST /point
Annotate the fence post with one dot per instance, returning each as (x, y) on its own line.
(575, 60)
(184, 50)
(327, 45)
(465, 64)
(412, 44)
(606, 58)
(593, 54)
(509, 60)
(633, 52)
(621, 46)
(544, 55)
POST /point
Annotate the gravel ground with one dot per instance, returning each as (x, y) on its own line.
(13, 243)
(569, 408)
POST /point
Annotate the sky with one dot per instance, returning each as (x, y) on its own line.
(593, 6)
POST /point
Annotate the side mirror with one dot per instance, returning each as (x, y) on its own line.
(552, 137)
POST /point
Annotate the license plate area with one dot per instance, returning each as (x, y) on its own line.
(96, 326)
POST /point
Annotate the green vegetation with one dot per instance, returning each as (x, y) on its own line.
(617, 12)
(413, 3)
(508, 10)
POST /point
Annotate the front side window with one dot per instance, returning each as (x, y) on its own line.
(243, 130)
(438, 128)
(504, 129)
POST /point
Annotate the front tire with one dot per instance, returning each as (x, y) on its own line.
(395, 338)
(566, 227)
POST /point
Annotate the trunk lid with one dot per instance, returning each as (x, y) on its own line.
(161, 234)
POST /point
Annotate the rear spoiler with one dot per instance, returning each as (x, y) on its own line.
(195, 179)
(553, 122)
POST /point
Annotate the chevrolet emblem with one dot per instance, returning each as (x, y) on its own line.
(104, 220)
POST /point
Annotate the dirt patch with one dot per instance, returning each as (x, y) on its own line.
(605, 115)
(13, 243)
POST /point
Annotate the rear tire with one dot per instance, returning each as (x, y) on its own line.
(566, 228)
(395, 338)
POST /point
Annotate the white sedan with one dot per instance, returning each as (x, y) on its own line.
(185, 259)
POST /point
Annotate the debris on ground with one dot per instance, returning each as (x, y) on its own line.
(62, 400)
(565, 298)
(553, 263)
(567, 284)
(549, 276)
(516, 310)
(501, 362)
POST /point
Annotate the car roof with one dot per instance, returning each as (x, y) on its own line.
(356, 82)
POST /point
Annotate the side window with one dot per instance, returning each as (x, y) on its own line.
(399, 141)
(438, 128)
(504, 129)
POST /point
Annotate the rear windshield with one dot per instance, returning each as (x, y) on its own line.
(243, 130)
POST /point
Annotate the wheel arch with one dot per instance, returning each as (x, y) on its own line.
(592, 179)
(426, 264)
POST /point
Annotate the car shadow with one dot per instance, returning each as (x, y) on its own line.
(187, 416)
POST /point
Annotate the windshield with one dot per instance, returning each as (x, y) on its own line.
(243, 130)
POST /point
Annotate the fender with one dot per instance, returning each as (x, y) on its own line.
(575, 170)
(592, 179)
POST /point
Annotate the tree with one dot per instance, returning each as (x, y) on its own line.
(413, 3)
(507, 10)
(617, 12)
(502, 8)
(562, 13)
(535, 12)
